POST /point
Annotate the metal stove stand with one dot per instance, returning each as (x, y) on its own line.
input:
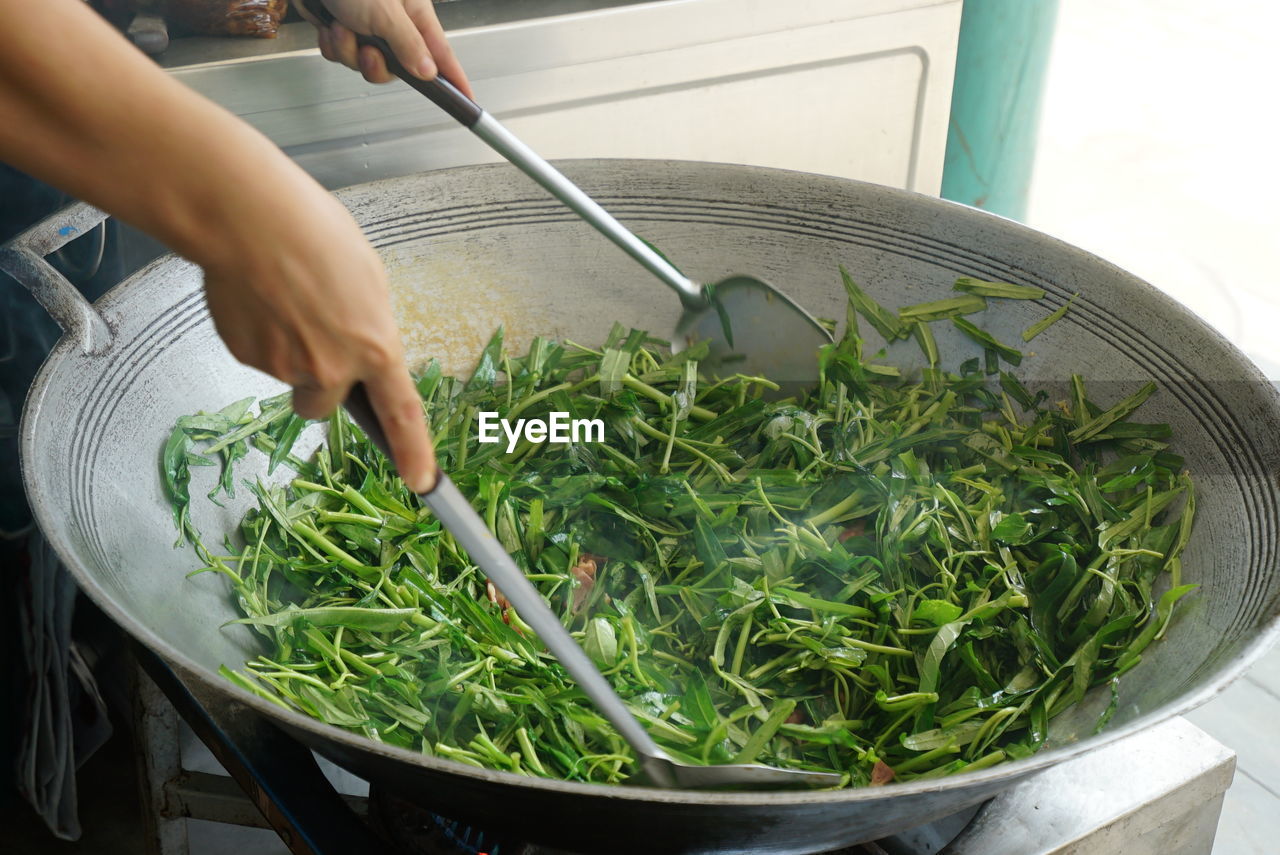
(1158, 792)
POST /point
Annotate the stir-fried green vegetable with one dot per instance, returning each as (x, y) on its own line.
(897, 574)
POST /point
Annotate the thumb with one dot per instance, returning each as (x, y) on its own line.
(409, 47)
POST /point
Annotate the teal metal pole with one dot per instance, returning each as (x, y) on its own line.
(995, 102)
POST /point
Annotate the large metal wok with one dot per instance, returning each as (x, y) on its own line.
(475, 247)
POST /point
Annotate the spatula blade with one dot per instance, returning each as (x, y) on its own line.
(753, 328)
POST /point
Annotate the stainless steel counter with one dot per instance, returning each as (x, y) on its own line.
(453, 14)
(1158, 792)
(857, 88)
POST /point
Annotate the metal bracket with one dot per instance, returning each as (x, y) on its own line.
(278, 774)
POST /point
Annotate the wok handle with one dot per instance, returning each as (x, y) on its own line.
(23, 259)
(469, 530)
(495, 135)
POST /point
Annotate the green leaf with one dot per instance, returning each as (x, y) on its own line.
(1009, 354)
(1090, 429)
(288, 436)
(959, 735)
(1002, 290)
(1012, 529)
(485, 373)
(1048, 320)
(613, 368)
(1154, 625)
(936, 612)
(708, 545)
(928, 346)
(885, 322)
(937, 310)
(373, 620)
(601, 642)
(751, 749)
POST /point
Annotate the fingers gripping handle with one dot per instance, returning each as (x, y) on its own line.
(444, 94)
(361, 409)
(23, 259)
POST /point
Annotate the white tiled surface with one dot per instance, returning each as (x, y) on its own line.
(1244, 719)
(1158, 152)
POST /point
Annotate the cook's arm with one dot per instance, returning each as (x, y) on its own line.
(292, 284)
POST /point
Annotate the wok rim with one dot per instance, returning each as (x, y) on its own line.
(1216, 681)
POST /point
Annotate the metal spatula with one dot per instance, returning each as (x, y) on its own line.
(751, 326)
(656, 768)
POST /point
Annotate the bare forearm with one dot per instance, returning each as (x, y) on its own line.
(82, 109)
(291, 283)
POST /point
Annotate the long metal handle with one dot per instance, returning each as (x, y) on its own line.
(23, 259)
(447, 96)
(468, 529)
(466, 526)
(507, 144)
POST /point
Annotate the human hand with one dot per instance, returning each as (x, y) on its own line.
(410, 27)
(293, 286)
(313, 309)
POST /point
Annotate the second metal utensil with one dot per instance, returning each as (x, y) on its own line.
(750, 326)
(656, 767)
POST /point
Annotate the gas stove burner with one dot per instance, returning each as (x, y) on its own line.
(413, 830)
